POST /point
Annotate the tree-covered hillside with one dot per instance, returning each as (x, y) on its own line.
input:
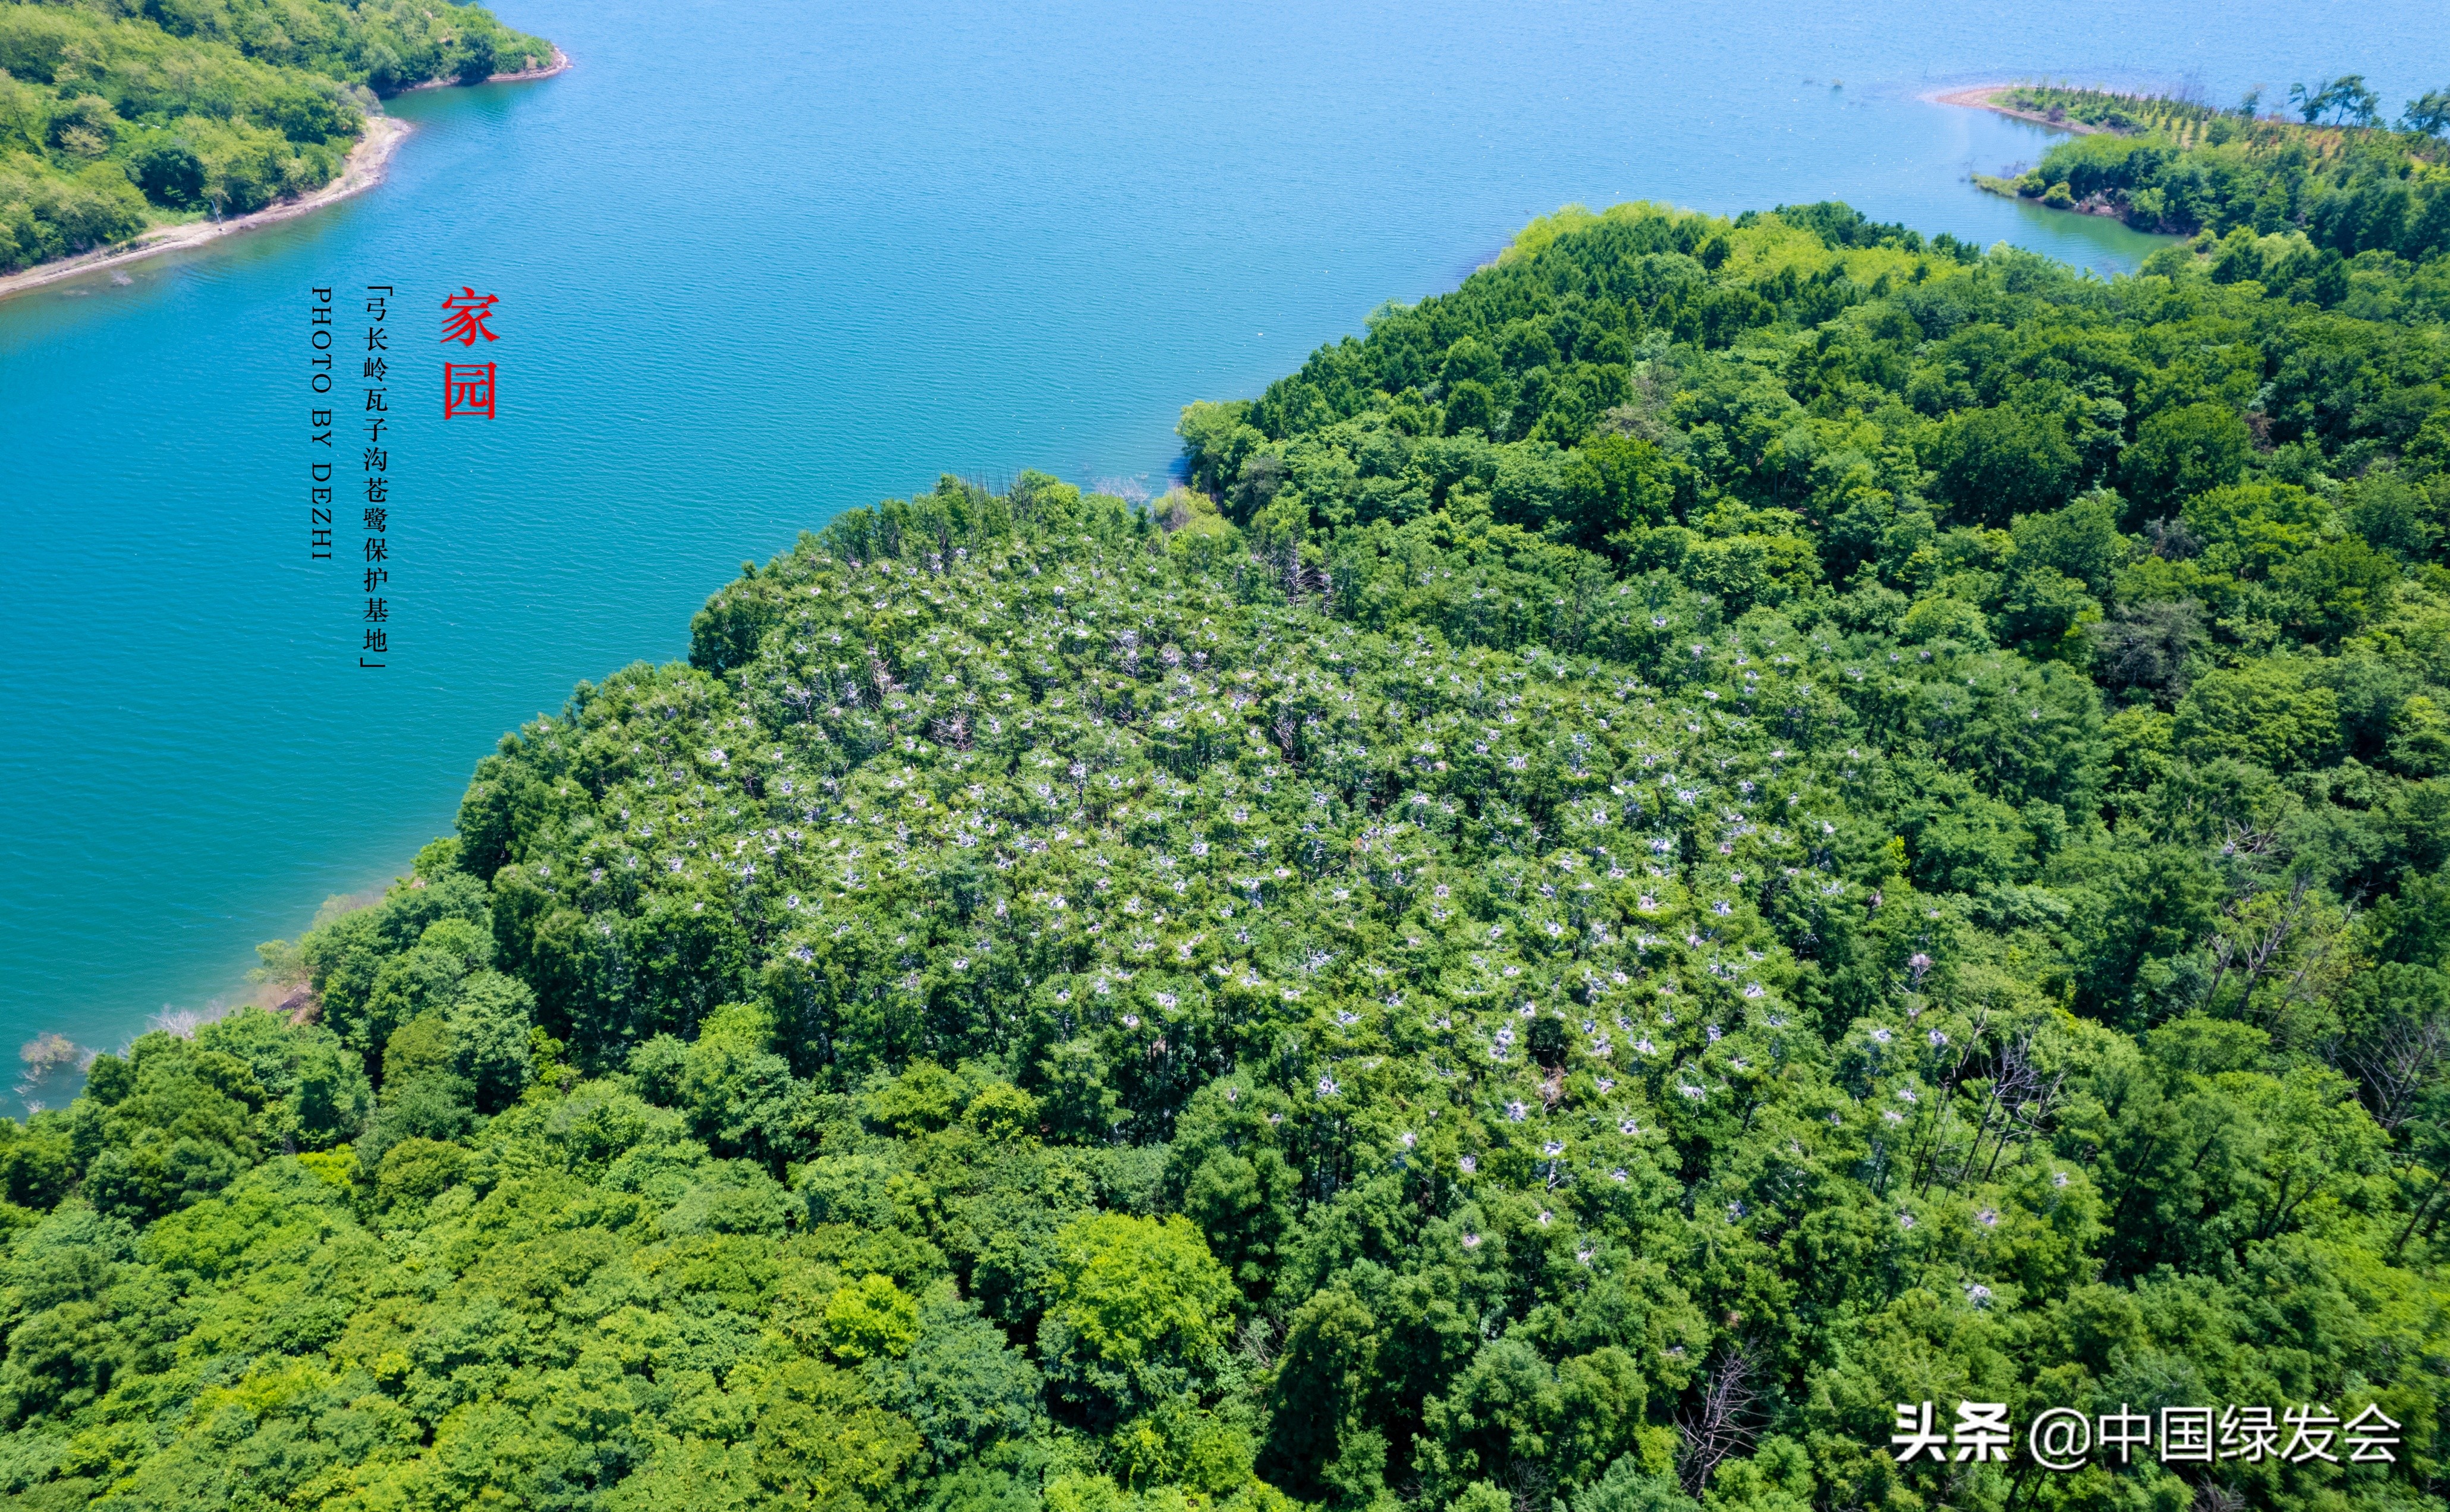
(1736, 824)
(2341, 185)
(115, 113)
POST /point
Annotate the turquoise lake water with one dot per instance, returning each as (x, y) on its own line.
(761, 261)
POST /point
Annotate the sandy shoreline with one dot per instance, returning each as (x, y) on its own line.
(361, 171)
(1984, 97)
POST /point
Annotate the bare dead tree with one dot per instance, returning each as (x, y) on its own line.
(2308, 964)
(1715, 1427)
(2022, 1097)
(2213, 1497)
(1932, 1161)
(954, 732)
(2254, 957)
(2422, 1210)
(2397, 1062)
(1986, 1124)
(1534, 1488)
(1287, 566)
(1258, 1340)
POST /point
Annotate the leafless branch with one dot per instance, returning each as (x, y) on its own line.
(1715, 1428)
(2397, 1062)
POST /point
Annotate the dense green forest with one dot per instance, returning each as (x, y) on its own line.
(1736, 824)
(118, 113)
(2336, 184)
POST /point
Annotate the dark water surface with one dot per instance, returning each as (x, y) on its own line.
(760, 261)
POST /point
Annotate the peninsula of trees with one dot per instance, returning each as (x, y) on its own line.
(2338, 177)
(1736, 823)
(120, 114)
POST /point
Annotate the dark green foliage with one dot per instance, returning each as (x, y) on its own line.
(1734, 824)
(2290, 199)
(2180, 453)
(1995, 464)
(169, 173)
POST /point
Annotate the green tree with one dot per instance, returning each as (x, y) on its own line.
(169, 173)
(2428, 113)
(2181, 452)
(1137, 1309)
(1216, 440)
(1995, 464)
(2261, 711)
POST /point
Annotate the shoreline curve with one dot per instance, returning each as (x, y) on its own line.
(558, 64)
(360, 170)
(1985, 97)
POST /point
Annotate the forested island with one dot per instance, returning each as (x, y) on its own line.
(1736, 824)
(117, 115)
(2338, 181)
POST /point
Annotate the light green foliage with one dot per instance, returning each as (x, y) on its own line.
(1136, 1289)
(2262, 711)
(113, 115)
(1627, 1488)
(1663, 829)
(2289, 200)
(870, 1319)
(2248, 531)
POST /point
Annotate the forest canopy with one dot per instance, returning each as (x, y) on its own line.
(1734, 823)
(116, 114)
(2334, 183)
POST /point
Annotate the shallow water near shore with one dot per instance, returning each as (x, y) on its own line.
(764, 261)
